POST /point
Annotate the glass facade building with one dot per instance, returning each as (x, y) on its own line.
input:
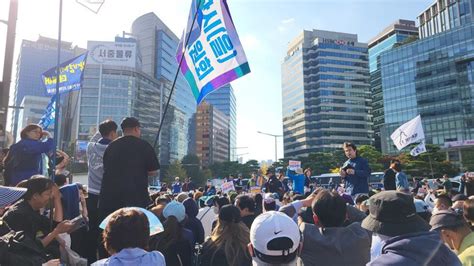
(325, 92)
(433, 77)
(444, 15)
(393, 35)
(157, 46)
(224, 100)
(34, 59)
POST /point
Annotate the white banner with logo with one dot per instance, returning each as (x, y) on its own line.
(408, 133)
(419, 149)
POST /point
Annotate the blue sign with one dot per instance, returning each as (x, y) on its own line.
(70, 76)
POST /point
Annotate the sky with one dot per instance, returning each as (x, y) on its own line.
(265, 27)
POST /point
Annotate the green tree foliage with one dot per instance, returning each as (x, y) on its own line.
(175, 169)
(432, 163)
(373, 156)
(192, 164)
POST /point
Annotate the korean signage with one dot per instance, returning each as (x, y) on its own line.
(112, 53)
(70, 76)
(453, 144)
(294, 165)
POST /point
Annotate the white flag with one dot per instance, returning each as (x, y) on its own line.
(408, 133)
(419, 149)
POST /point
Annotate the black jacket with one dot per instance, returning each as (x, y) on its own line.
(389, 179)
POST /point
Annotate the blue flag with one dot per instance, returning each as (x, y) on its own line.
(48, 118)
(70, 76)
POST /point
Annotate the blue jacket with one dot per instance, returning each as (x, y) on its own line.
(401, 181)
(358, 182)
(424, 248)
(27, 156)
(133, 256)
(298, 181)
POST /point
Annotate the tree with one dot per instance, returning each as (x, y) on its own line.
(432, 163)
(319, 162)
(372, 155)
(175, 169)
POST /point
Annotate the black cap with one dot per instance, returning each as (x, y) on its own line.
(446, 219)
(129, 122)
(229, 213)
(393, 213)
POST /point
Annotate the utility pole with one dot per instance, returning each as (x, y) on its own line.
(275, 136)
(8, 61)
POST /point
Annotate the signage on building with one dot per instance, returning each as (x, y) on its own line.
(338, 42)
(112, 53)
(461, 143)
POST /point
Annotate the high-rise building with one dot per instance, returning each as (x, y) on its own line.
(224, 100)
(444, 15)
(325, 92)
(157, 46)
(212, 134)
(34, 59)
(114, 87)
(32, 109)
(433, 77)
(391, 36)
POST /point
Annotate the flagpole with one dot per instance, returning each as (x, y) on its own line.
(56, 111)
(175, 77)
(431, 166)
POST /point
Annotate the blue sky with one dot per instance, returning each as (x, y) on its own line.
(265, 27)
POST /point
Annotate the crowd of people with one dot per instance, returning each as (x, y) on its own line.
(290, 220)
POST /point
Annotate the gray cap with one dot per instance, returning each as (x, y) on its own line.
(446, 219)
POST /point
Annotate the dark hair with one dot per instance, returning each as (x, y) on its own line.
(37, 184)
(269, 206)
(394, 161)
(60, 180)
(397, 166)
(349, 144)
(171, 235)
(330, 208)
(361, 198)
(445, 199)
(468, 209)
(129, 122)
(27, 129)
(246, 202)
(221, 201)
(127, 228)
(106, 127)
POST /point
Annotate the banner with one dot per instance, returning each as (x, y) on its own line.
(70, 76)
(408, 133)
(293, 165)
(213, 55)
(419, 149)
(80, 153)
(255, 190)
(227, 187)
(48, 118)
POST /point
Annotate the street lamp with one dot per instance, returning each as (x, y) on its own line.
(275, 136)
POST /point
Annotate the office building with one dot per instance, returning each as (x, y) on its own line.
(157, 46)
(212, 135)
(433, 77)
(31, 110)
(444, 15)
(224, 100)
(34, 59)
(392, 36)
(325, 92)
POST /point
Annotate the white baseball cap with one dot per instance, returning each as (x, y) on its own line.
(275, 237)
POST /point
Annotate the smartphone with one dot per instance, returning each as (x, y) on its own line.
(78, 223)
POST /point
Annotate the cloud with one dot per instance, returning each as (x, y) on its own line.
(286, 24)
(250, 42)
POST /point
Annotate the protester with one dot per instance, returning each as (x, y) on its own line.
(25, 215)
(273, 185)
(458, 202)
(446, 184)
(95, 153)
(442, 202)
(24, 157)
(32, 252)
(192, 223)
(298, 179)
(128, 162)
(126, 238)
(355, 171)
(175, 242)
(269, 203)
(228, 242)
(389, 176)
(327, 241)
(401, 180)
(207, 214)
(274, 240)
(468, 211)
(176, 187)
(405, 236)
(361, 203)
(246, 205)
(456, 233)
(307, 179)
